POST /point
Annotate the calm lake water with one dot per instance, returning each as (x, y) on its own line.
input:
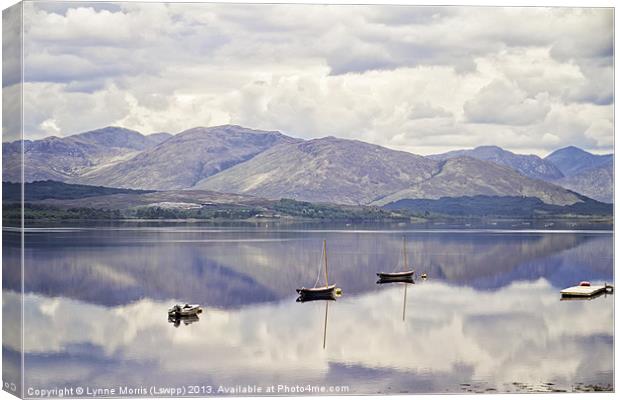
(489, 318)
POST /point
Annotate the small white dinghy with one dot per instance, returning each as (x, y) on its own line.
(586, 289)
(184, 310)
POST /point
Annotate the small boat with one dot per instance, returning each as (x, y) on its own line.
(327, 292)
(586, 290)
(184, 310)
(387, 276)
(399, 275)
(584, 283)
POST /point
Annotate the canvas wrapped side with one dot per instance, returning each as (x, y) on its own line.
(12, 200)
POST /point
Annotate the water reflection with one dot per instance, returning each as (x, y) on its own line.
(325, 324)
(405, 301)
(176, 320)
(239, 268)
(491, 313)
(405, 281)
(586, 298)
(453, 334)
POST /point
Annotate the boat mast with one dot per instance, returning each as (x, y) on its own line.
(325, 255)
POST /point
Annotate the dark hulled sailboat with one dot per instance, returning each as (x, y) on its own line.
(404, 275)
(326, 292)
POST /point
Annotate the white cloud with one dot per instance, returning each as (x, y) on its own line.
(50, 109)
(504, 103)
(416, 78)
(426, 110)
(602, 131)
(50, 127)
(587, 126)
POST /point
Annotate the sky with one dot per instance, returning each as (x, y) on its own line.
(413, 78)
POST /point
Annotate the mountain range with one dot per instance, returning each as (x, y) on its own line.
(269, 164)
(185, 159)
(529, 165)
(325, 170)
(570, 167)
(70, 158)
(589, 174)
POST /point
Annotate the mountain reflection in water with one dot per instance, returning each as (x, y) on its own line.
(96, 310)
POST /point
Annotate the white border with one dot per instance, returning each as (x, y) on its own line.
(540, 3)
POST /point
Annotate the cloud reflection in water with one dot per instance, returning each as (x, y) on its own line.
(520, 333)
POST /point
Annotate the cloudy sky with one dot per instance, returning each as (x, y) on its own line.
(422, 79)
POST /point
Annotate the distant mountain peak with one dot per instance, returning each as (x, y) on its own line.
(573, 162)
(109, 130)
(189, 157)
(227, 130)
(529, 165)
(238, 128)
(335, 140)
(230, 126)
(327, 169)
(569, 150)
(491, 147)
(113, 136)
(470, 176)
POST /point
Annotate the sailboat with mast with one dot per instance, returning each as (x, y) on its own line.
(405, 274)
(326, 292)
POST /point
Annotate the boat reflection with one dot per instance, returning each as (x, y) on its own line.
(275, 341)
(230, 269)
(176, 319)
(585, 298)
(405, 302)
(326, 298)
(383, 281)
(326, 314)
(404, 280)
(304, 298)
(325, 324)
